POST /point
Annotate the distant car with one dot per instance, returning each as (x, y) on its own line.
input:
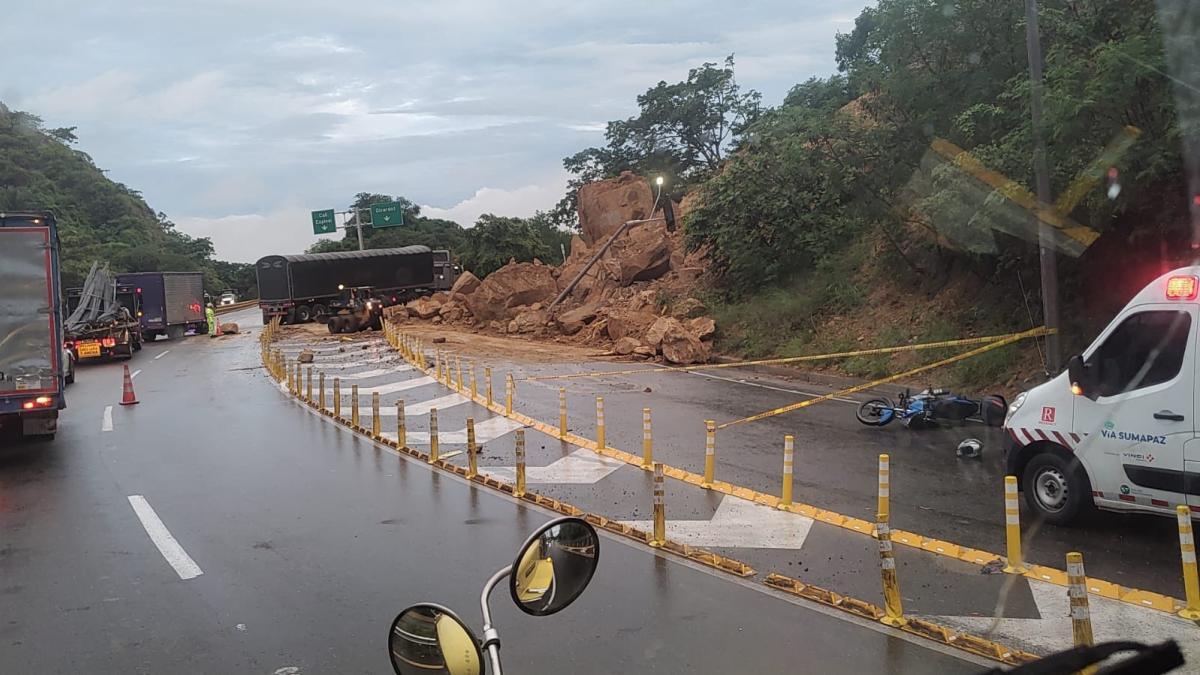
(228, 299)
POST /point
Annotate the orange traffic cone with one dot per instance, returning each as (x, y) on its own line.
(127, 395)
(219, 332)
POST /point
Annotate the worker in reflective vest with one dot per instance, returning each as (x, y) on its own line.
(211, 315)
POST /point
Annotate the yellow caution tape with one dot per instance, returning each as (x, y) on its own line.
(1015, 337)
(963, 342)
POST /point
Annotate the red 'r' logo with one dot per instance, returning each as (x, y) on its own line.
(1048, 415)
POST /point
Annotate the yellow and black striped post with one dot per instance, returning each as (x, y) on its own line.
(509, 391)
(321, 392)
(401, 426)
(710, 453)
(647, 441)
(1012, 526)
(433, 435)
(519, 489)
(487, 385)
(376, 427)
(354, 419)
(884, 484)
(472, 451)
(789, 456)
(893, 608)
(1187, 553)
(600, 440)
(659, 536)
(337, 398)
(1081, 616)
(562, 412)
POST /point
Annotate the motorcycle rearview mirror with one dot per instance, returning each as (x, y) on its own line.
(554, 566)
(430, 639)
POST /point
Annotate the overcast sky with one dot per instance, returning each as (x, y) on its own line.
(238, 117)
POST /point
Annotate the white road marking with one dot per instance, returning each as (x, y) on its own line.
(374, 373)
(162, 354)
(106, 425)
(580, 467)
(738, 523)
(485, 431)
(135, 373)
(324, 365)
(170, 549)
(422, 407)
(1111, 620)
(772, 388)
(392, 387)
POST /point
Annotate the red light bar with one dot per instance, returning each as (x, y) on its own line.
(108, 342)
(1182, 288)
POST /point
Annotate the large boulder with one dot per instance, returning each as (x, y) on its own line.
(688, 308)
(528, 321)
(605, 205)
(702, 327)
(680, 346)
(622, 323)
(396, 313)
(424, 308)
(658, 331)
(641, 254)
(626, 345)
(229, 328)
(572, 321)
(466, 283)
(512, 285)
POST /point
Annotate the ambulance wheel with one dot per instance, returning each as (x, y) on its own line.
(1056, 488)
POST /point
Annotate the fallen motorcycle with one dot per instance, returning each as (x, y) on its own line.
(550, 571)
(930, 406)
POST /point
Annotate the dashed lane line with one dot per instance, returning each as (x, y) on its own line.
(162, 354)
(106, 425)
(135, 373)
(170, 549)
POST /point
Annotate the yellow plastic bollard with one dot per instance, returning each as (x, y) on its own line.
(562, 412)
(458, 382)
(789, 455)
(647, 441)
(401, 426)
(487, 385)
(659, 535)
(893, 608)
(1187, 553)
(354, 406)
(288, 370)
(519, 490)
(600, 422)
(433, 435)
(375, 425)
(1012, 526)
(474, 390)
(472, 461)
(884, 484)
(1081, 616)
(710, 452)
(308, 384)
(509, 391)
(321, 393)
(337, 398)
(297, 379)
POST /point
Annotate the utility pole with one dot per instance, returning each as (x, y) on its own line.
(1041, 172)
(358, 222)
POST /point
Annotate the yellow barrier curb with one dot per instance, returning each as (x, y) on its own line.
(980, 557)
(963, 342)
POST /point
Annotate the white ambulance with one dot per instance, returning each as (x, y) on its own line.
(1118, 429)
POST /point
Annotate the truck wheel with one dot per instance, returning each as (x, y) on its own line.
(320, 311)
(1056, 488)
(136, 342)
(303, 314)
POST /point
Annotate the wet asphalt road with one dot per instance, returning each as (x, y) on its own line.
(933, 493)
(310, 540)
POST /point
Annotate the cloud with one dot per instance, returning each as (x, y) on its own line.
(520, 202)
(248, 237)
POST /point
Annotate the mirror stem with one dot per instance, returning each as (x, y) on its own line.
(491, 638)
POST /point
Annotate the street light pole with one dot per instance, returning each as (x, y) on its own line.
(1041, 171)
(358, 222)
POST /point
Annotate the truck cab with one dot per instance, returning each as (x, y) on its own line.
(1117, 430)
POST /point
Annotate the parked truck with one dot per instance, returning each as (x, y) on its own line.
(102, 318)
(299, 288)
(172, 303)
(33, 363)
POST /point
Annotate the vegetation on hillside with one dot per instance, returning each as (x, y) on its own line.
(842, 199)
(98, 218)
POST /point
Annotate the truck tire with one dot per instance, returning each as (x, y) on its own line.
(303, 314)
(136, 341)
(1057, 488)
(319, 312)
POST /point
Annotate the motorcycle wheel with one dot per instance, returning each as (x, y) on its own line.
(876, 412)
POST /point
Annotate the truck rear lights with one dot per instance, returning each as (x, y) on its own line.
(108, 342)
(39, 402)
(1182, 288)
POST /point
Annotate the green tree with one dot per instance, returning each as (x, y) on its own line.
(494, 240)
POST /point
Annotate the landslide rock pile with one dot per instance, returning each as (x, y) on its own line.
(636, 299)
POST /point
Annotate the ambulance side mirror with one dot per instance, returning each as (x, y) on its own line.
(1083, 378)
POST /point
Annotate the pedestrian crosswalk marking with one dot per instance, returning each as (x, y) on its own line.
(485, 431)
(579, 467)
(738, 523)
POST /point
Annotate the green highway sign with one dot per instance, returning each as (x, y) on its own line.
(324, 222)
(387, 214)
